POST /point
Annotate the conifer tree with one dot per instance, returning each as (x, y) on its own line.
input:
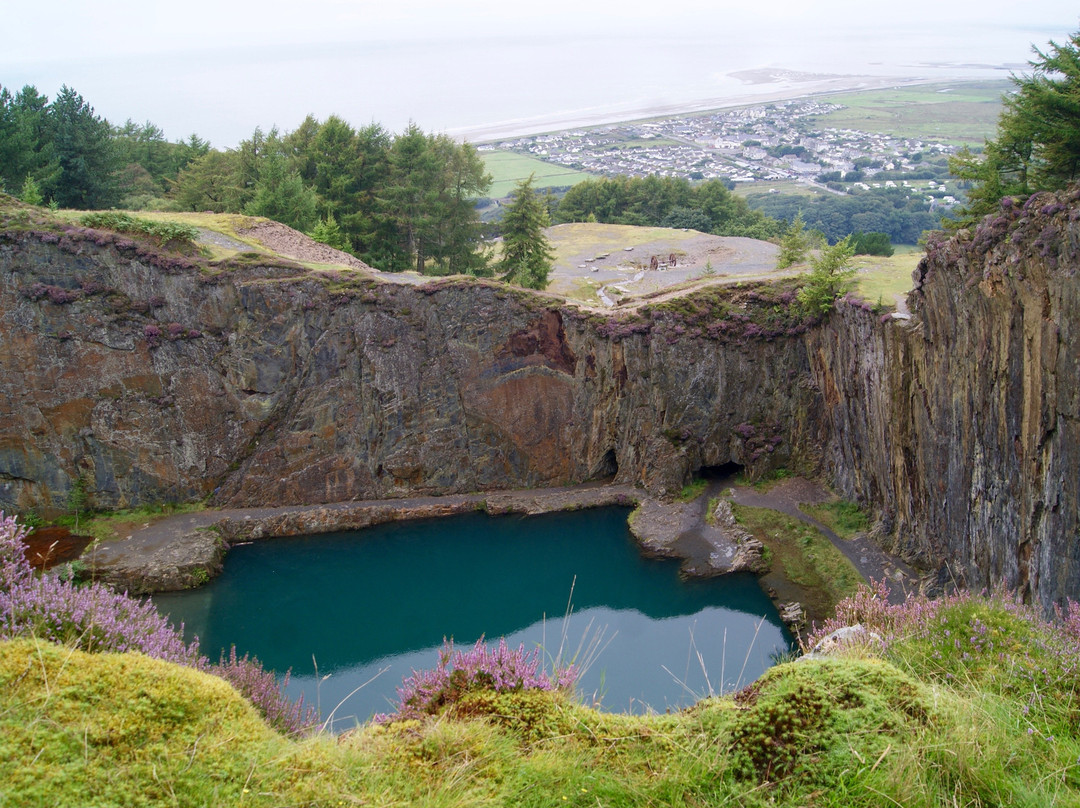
(85, 156)
(793, 245)
(1037, 147)
(526, 252)
(280, 194)
(31, 192)
(830, 276)
(328, 232)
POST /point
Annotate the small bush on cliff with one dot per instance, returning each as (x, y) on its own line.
(458, 673)
(165, 234)
(793, 245)
(830, 276)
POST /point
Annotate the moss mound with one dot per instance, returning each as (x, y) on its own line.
(967, 701)
(119, 729)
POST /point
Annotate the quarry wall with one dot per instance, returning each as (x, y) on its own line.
(153, 381)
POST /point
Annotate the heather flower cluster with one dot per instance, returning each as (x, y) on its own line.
(993, 639)
(480, 668)
(56, 295)
(94, 618)
(262, 689)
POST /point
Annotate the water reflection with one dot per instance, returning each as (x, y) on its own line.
(383, 599)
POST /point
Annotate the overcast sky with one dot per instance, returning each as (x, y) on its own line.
(42, 31)
(221, 68)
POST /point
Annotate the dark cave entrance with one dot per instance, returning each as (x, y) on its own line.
(609, 465)
(722, 473)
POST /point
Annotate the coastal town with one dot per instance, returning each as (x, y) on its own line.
(779, 142)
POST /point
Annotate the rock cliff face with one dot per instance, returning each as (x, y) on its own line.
(273, 386)
(962, 425)
(158, 380)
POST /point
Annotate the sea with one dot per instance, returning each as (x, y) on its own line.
(488, 87)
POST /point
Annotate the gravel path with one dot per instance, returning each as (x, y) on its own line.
(871, 561)
(184, 550)
(207, 236)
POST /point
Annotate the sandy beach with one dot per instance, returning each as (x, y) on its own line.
(762, 86)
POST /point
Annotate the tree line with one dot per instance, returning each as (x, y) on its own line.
(64, 153)
(665, 202)
(396, 201)
(881, 210)
(408, 201)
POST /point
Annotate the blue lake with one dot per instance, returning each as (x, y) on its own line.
(369, 606)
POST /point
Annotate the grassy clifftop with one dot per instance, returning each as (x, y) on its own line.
(966, 701)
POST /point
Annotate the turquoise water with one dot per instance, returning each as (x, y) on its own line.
(374, 604)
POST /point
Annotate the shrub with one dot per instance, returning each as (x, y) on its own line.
(162, 233)
(481, 668)
(992, 642)
(872, 243)
(56, 295)
(779, 731)
(263, 690)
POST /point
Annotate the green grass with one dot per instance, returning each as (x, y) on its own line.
(710, 510)
(960, 112)
(507, 169)
(585, 291)
(111, 525)
(969, 703)
(692, 490)
(786, 188)
(765, 481)
(932, 718)
(880, 278)
(803, 556)
(843, 518)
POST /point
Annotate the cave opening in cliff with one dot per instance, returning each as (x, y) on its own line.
(609, 465)
(721, 472)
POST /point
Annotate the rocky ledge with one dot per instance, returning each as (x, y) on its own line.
(187, 550)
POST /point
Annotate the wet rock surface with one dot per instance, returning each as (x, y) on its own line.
(47, 547)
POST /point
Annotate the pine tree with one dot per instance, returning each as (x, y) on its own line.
(85, 154)
(31, 192)
(1037, 147)
(280, 194)
(830, 276)
(328, 232)
(793, 245)
(526, 252)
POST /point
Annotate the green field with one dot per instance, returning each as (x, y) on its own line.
(646, 143)
(882, 278)
(963, 113)
(508, 169)
(781, 187)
